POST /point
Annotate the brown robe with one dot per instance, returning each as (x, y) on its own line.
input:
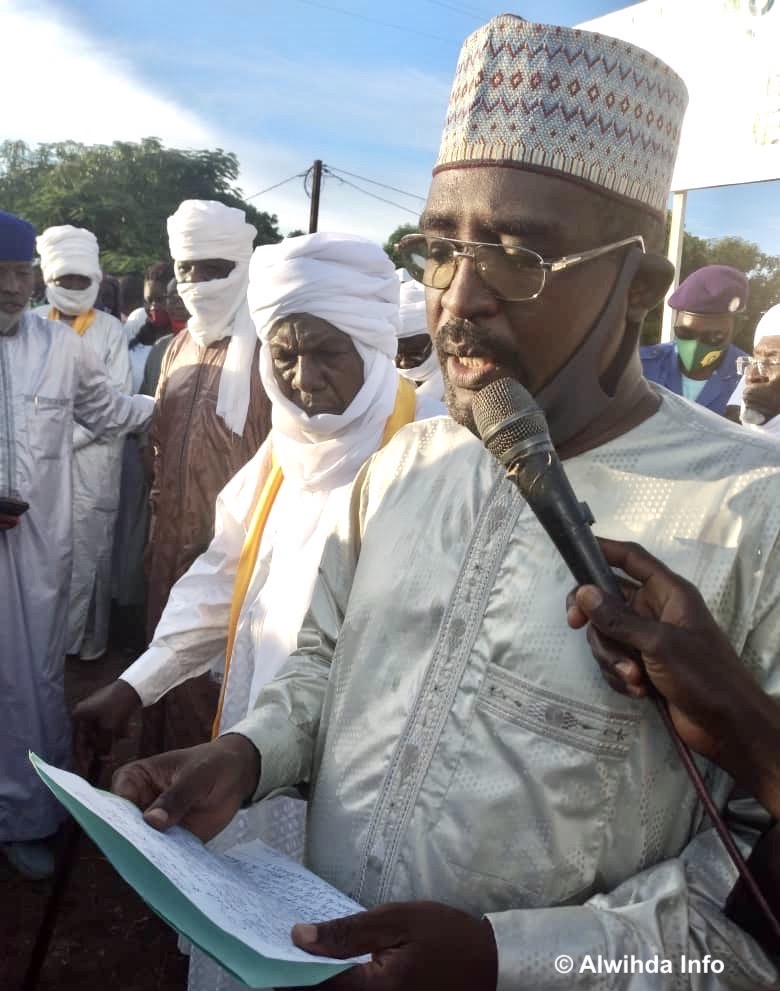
(195, 455)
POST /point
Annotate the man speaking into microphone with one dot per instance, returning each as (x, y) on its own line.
(471, 778)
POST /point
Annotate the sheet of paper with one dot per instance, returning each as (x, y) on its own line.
(238, 907)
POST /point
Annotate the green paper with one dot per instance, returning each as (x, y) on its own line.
(249, 966)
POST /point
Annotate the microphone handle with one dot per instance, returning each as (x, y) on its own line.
(545, 487)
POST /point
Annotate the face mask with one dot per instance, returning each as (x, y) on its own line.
(213, 304)
(177, 325)
(695, 354)
(578, 394)
(72, 302)
(160, 319)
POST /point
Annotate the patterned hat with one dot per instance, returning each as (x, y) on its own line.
(566, 102)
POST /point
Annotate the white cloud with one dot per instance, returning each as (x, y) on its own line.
(401, 108)
(64, 85)
(58, 84)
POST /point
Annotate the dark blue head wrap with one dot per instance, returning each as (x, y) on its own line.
(17, 239)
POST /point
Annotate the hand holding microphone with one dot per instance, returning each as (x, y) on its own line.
(670, 623)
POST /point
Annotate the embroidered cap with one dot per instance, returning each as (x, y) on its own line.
(567, 102)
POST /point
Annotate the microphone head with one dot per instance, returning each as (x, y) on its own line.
(509, 421)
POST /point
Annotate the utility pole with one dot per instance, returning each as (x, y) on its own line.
(316, 183)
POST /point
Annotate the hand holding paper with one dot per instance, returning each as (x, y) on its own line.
(200, 788)
(239, 907)
(415, 946)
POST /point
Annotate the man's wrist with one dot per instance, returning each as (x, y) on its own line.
(248, 760)
(750, 750)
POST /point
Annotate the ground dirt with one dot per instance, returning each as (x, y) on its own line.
(105, 936)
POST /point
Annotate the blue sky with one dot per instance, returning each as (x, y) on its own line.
(361, 84)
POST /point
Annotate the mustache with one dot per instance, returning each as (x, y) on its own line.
(459, 335)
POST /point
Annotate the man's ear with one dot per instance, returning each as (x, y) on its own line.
(649, 286)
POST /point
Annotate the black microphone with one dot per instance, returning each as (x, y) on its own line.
(513, 428)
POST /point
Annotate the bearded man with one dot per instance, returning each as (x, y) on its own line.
(71, 270)
(211, 417)
(758, 394)
(472, 780)
(50, 379)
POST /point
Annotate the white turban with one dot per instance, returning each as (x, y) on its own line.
(207, 229)
(768, 325)
(203, 229)
(413, 317)
(341, 278)
(70, 250)
(351, 283)
(414, 321)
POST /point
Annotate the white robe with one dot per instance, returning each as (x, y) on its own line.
(97, 468)
(194, 625)
(48, 379)
(456, 739)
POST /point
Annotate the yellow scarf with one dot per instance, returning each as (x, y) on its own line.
(403, 413)
(81, 324)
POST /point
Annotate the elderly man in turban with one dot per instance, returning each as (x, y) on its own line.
(49, 379)
(701, 363)
(508, 820)
(758, 392)
(71, 270)
(326, 310)
(211, 417)
(417, 360)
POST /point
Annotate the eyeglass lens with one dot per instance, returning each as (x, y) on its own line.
(512, 273)
(763, 366)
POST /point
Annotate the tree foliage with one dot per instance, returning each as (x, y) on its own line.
(123, 192)
(395, 237)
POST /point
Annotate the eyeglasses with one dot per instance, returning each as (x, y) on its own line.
(511, 273)
(764, 366)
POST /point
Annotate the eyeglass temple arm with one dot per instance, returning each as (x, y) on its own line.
(570, 260)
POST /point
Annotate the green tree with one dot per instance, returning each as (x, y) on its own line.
(123, 192)
(395, 237)
(763, 272)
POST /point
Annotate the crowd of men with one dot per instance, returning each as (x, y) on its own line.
(355, 640)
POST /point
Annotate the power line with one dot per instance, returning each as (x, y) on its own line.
(373, 20)
(262, 192)
(398, 206)
(374, 182)
(329, 171)
(459, 10)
